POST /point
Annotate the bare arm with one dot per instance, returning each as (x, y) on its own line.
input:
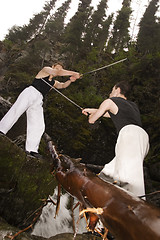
(106, 105)
(60, 72)
(61, 85)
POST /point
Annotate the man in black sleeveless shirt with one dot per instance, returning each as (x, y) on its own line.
(132, 143)
(31, 100)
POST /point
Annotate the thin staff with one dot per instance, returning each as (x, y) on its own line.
(52, 87)
(122, 60)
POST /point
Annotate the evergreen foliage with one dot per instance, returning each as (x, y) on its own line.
(54, 28)
(34, 28)
(149, 34)
(85, 44)
(120, 33)
(95, 26)
(75, 30)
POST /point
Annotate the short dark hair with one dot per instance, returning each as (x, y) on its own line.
(124, 87)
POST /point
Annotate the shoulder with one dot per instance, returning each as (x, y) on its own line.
(111, 105)
(44, 72)
(108, 103)
(133, 103)
(119, 100)
(50, 71)
(46, 68)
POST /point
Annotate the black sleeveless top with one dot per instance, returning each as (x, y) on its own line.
(42, 86)
(128, 113)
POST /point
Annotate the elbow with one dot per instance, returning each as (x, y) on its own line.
(60, 72)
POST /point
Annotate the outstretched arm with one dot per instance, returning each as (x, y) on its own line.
(103, 109)
(60, 72)
(60, 85)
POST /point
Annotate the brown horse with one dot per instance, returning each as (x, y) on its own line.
(126, 216)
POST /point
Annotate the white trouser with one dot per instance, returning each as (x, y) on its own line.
(30, 100)
(131, 148)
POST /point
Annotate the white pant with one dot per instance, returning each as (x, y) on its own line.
(30, 100)
(131, 148)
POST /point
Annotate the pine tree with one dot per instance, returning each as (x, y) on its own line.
(95, 27)
(34, 28)
(120, 33)
(149, 34)
(75, 29)
(55, 25)
(103, 33)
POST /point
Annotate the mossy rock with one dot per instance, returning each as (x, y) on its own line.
(24, 181)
